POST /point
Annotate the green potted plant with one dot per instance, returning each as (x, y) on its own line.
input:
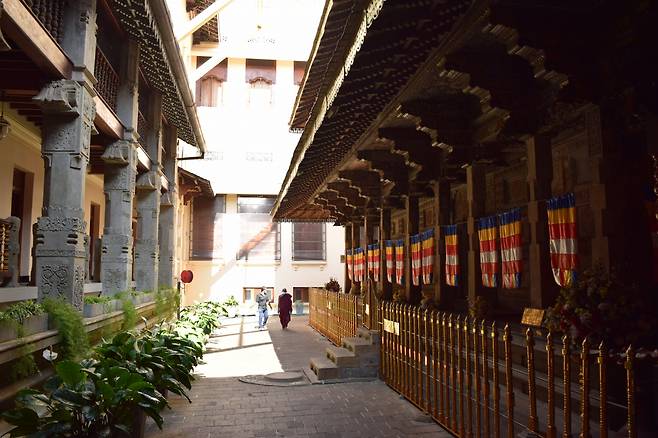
(22, 319)
(231, 306)
(96, 305)
(332, 285)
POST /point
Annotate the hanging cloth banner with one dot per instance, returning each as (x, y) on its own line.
(349, 259)
(427, 253)
(563, 238)
(452, 257)
(371, 259)
(399, 261)
(488, 234)
(415, 259)
(375, 261)
(510, 248)
(358, 265)
(390, 260)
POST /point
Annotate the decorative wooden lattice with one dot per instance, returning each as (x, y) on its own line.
(108, 79)
(49, 13)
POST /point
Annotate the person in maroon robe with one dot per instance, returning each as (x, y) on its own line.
(285, 308)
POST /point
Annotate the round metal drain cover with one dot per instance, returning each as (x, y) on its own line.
(285, 377)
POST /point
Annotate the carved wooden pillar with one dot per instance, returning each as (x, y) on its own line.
(348, 247)
(442, 217)
(411, 223)
(543, 289)
(369, 298)
(356, 243)
(475, 198)
(384, 235)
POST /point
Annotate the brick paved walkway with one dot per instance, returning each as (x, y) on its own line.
(222, 406)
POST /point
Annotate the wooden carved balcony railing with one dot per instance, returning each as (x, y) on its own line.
(49, 13)
(142, 129)
(9, 250)
(107, 78)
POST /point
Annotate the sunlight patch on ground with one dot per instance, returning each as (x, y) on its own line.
(243, 348)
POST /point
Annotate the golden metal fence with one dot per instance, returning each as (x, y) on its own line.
(477, 380)
(335, 315)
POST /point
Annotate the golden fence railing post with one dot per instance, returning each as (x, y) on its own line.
(469, 381)
(496, 388)
(566, 376)
(453, 375)
(446, 371)
(476, 386)
(460, 375)
(485, 379)
(630, 391)
(435, 364)
(550, 371)
(509, 385)
(603, 391)
(532, 393)
(405, 350)
(428, 357)
(442, 367)
(398, 348)
(584, 389)
(417, 356)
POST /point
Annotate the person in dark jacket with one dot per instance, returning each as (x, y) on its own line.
(285, 308)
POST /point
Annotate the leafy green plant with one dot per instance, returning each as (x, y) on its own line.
(97, 299)
(129, 314)
(68, 321)
(19, 312)
(85, 401)
(167, 302)
(231, 301)
(332, 285)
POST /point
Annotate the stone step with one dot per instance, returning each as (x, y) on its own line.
(324, 369)
(372, 336)
(360, 346)
(342, 357)
(362, 371)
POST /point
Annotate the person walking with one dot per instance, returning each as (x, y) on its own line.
(285, 308)
(263, 301)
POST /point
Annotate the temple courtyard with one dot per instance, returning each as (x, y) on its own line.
(222, 405)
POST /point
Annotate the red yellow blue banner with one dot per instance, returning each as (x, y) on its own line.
(563, 238)
(399, 261)
(359, 265)
(510, 248)
(349, 259)
(374, 261)
(416, 259)
(369, 259)
(390, 260)
(488, 236)
(452, 255)
(427, 253)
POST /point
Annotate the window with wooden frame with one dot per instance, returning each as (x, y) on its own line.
(209, 89)
(207, 223)
(260, 74)
(309, 241)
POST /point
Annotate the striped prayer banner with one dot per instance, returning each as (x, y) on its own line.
(416, 259)
(399, 261)
(510, 248)
(375, 261)
(390, 260)
(488, 236)
(361, 264)
(427, 253)
(369, 259)
(358, 253)
(563, 238)
(452, 256)
(349, 259)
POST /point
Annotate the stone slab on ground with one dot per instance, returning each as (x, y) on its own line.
(225, 407)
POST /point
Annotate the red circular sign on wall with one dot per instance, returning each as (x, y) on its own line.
(186, 276)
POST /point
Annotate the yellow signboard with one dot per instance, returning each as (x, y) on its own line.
(533, 317)
(391, 326)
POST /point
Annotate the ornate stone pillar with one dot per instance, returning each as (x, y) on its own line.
(348, 247)
(167, 222)
(117, 243)
(68, 110)
(148, 216)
